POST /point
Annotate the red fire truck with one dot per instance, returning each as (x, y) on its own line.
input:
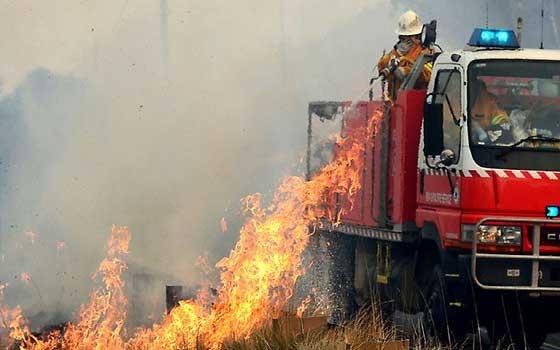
(456, 220)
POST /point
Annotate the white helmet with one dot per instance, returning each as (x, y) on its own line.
(409, 24)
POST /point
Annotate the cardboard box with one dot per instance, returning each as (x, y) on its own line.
(291, 326)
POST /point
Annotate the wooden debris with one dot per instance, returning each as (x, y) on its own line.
(381, 345)
(291, 326)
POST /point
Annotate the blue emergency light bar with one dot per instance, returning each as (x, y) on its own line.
(494, 38)
(552, 211)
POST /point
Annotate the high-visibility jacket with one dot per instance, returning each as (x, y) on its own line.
(406, 62)
(486, 112)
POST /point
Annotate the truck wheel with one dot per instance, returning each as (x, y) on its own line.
(435, 315)
(534, 338)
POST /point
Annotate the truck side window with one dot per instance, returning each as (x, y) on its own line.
(448, 87)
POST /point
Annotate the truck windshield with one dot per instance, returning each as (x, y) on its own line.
(514, 112)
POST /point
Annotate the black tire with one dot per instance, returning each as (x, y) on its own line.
(534, 338)
(435, 299)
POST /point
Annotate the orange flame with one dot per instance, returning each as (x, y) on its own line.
(257, 278)
(259, 275)
(13, 324)
(100, 323)
(303, 307)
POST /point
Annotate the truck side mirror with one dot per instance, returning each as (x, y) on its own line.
(433, 127)
(447, 157)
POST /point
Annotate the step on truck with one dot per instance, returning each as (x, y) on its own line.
(457, 216)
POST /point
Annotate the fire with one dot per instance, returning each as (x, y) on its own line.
(100, 323)
(303, 307)
(260, 272)
(13, 324)
(257, 278)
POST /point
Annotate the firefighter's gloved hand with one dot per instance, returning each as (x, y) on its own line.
(393, 64)
(400, 73)
(500, 133)
(494, 135)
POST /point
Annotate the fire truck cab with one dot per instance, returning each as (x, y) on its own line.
(456, 218)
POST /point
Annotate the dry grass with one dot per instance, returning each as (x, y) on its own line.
(367, 331)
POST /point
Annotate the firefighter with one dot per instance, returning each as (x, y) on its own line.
(489, 122)
(396, 65)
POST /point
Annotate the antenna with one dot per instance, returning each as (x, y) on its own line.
(519, 29)
(486, 14)
(542, 24)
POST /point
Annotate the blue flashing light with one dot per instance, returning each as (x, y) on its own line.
(487, 35)
(493, 38)
(552, 211)
(502, 36)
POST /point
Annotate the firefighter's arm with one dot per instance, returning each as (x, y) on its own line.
(404, 68)
(387, 64)
(383, 62)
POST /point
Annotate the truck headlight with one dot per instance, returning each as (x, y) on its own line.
(492, 234)
(499, 234)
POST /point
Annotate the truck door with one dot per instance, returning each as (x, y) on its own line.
(439, 185)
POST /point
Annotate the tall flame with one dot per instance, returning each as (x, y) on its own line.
(260, 272)
(257, 278)
(100, 323)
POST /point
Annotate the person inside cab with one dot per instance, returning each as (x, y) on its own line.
(396, 65)
(543, 120)
(489, 122)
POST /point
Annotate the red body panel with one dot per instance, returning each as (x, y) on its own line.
(520, 193)
(404, 137)
(406, 121)
(439, 202)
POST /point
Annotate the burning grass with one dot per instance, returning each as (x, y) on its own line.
(257, 278)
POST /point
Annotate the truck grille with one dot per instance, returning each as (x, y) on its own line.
(550, 236)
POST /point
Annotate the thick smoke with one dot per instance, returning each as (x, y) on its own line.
(112, 131)
(101, 124)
